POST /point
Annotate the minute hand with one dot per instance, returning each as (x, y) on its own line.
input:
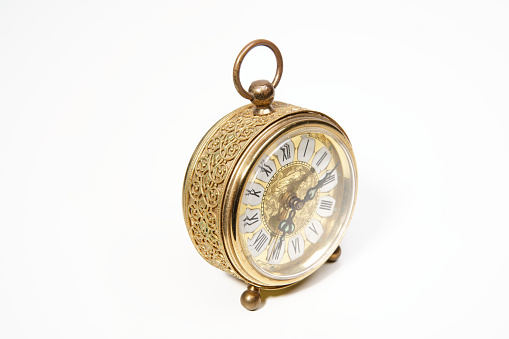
(311, 193)
(287, 226)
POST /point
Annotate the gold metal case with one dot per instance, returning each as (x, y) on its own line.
(218, 170)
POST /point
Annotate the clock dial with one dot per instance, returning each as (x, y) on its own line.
(296, 203)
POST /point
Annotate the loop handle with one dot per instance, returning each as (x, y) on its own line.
(240, 58)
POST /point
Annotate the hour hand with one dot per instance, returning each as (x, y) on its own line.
(311, 193)
(286, 226)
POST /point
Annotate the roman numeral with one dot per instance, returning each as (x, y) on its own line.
(329, 179)
(305, 149)
(295, 249)
(276, 250)
(321, 159)
(296, 245)
(251, 220)
(266, 169)
(252, 191)
(312, 227)
(314, 231)
(285, 150)
(253, 194)
(260, 241)
(326, 205)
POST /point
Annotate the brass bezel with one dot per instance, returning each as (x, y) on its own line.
(238, 179)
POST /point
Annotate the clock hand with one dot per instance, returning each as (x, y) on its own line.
(298, 204)
(287, 226)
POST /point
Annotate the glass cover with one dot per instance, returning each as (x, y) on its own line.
(296, 203)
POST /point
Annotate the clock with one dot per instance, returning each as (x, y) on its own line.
(270, 189)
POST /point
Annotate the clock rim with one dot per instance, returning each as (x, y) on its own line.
(238, 179)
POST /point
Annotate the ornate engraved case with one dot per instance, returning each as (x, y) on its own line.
(255, 205)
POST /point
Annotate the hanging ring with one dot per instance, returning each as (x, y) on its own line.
(240, 58)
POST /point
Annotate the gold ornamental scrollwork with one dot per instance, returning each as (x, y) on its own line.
(208, 172)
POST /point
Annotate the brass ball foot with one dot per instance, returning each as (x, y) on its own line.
(335, 256)
(251, 298)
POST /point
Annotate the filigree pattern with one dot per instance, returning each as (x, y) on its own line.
(208, 173)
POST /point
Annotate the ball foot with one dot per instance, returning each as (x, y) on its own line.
(335, 256)
(251, 298)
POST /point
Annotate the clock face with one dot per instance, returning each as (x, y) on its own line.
(296, 203)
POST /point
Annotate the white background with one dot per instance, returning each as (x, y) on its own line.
(103, 102)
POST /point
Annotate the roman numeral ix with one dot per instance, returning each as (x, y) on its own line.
(250, 220)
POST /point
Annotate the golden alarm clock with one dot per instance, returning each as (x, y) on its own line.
(270, 190)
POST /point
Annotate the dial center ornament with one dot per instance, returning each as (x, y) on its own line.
(281, 196)
(270, 189)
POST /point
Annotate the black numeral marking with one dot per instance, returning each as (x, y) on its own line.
(313, 228)
(326, 205)
(260, 241)
(329, 179)
(305, 149)
(321, 159)
(296, 245)
(251, 220)
(266, 169)
(252, 191)
(277, 248)
(285, 149)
